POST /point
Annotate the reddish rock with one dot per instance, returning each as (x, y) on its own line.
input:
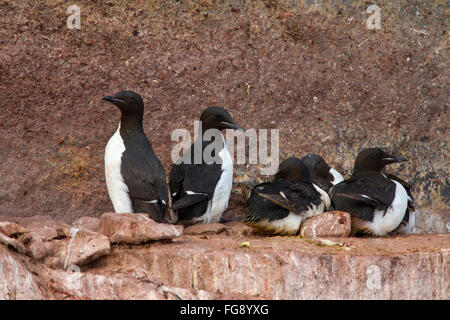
(135, 228)
(83, 247)
(205, 228)
(23, 278)
(11, 228)
(294, 268)
(43, 227)
(16, 244)
(89, 223)
(328, 224)
(55, 243)
(271, 268)
(16, 281)
(238, 229)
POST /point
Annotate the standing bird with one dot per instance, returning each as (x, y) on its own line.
(378, 203)
(279, 207)
(321, 173)
(200, 191)
(135, 178)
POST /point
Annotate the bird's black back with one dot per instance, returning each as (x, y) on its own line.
(372, 185)
(302, 195)
(144, 175)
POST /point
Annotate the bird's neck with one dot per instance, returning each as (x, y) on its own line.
(130, 123)
(358, 172)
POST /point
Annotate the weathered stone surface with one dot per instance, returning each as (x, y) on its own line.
(9, 228)
(89, 223)
(238, 229)
(23, 278)
(16, 282)
(55, 243)
(328, 224)
(205, 228)
(135, 228)
(294, 268)
(82, 247)
(43, 227)
(216, 266)
(16, 244)
(124, 285)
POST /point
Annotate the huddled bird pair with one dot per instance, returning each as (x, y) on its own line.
(136, 179)
(379, 203)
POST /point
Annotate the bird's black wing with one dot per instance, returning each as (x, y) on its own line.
(322, 183)
(362, 194)
(192, 185)
(302, 195)
(145, 177)
(260, 208)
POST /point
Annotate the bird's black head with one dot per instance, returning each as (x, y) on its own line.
(374, 159)
(218, 118)
(129, 103)
(293, 169)
(317, 166)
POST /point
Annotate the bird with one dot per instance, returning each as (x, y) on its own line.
(135, 177)
(322, 174)
(280, 206)
(378, 203)
(200, 190)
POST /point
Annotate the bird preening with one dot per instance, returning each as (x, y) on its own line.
(198, 190)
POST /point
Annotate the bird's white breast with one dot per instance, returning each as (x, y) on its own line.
(385, 223)
(325, 199)
(288, 225)
(219, 203)
(337, 177)
(117, 189)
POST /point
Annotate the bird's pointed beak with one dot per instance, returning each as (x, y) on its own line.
(112, 99)
(391, 159)
(232, 125)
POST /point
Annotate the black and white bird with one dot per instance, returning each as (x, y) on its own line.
(280, 206)
(377, 202)
(322, 174)
(200, 191)
(135, 178)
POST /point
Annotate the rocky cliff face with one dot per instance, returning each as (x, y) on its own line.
(308, 68)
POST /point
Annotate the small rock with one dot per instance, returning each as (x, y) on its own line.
(11, 229)
(328, 224)
(89, 223)
(205, 228)
(135, 228)
(237, 228)
(85, 246)
(16, 244)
